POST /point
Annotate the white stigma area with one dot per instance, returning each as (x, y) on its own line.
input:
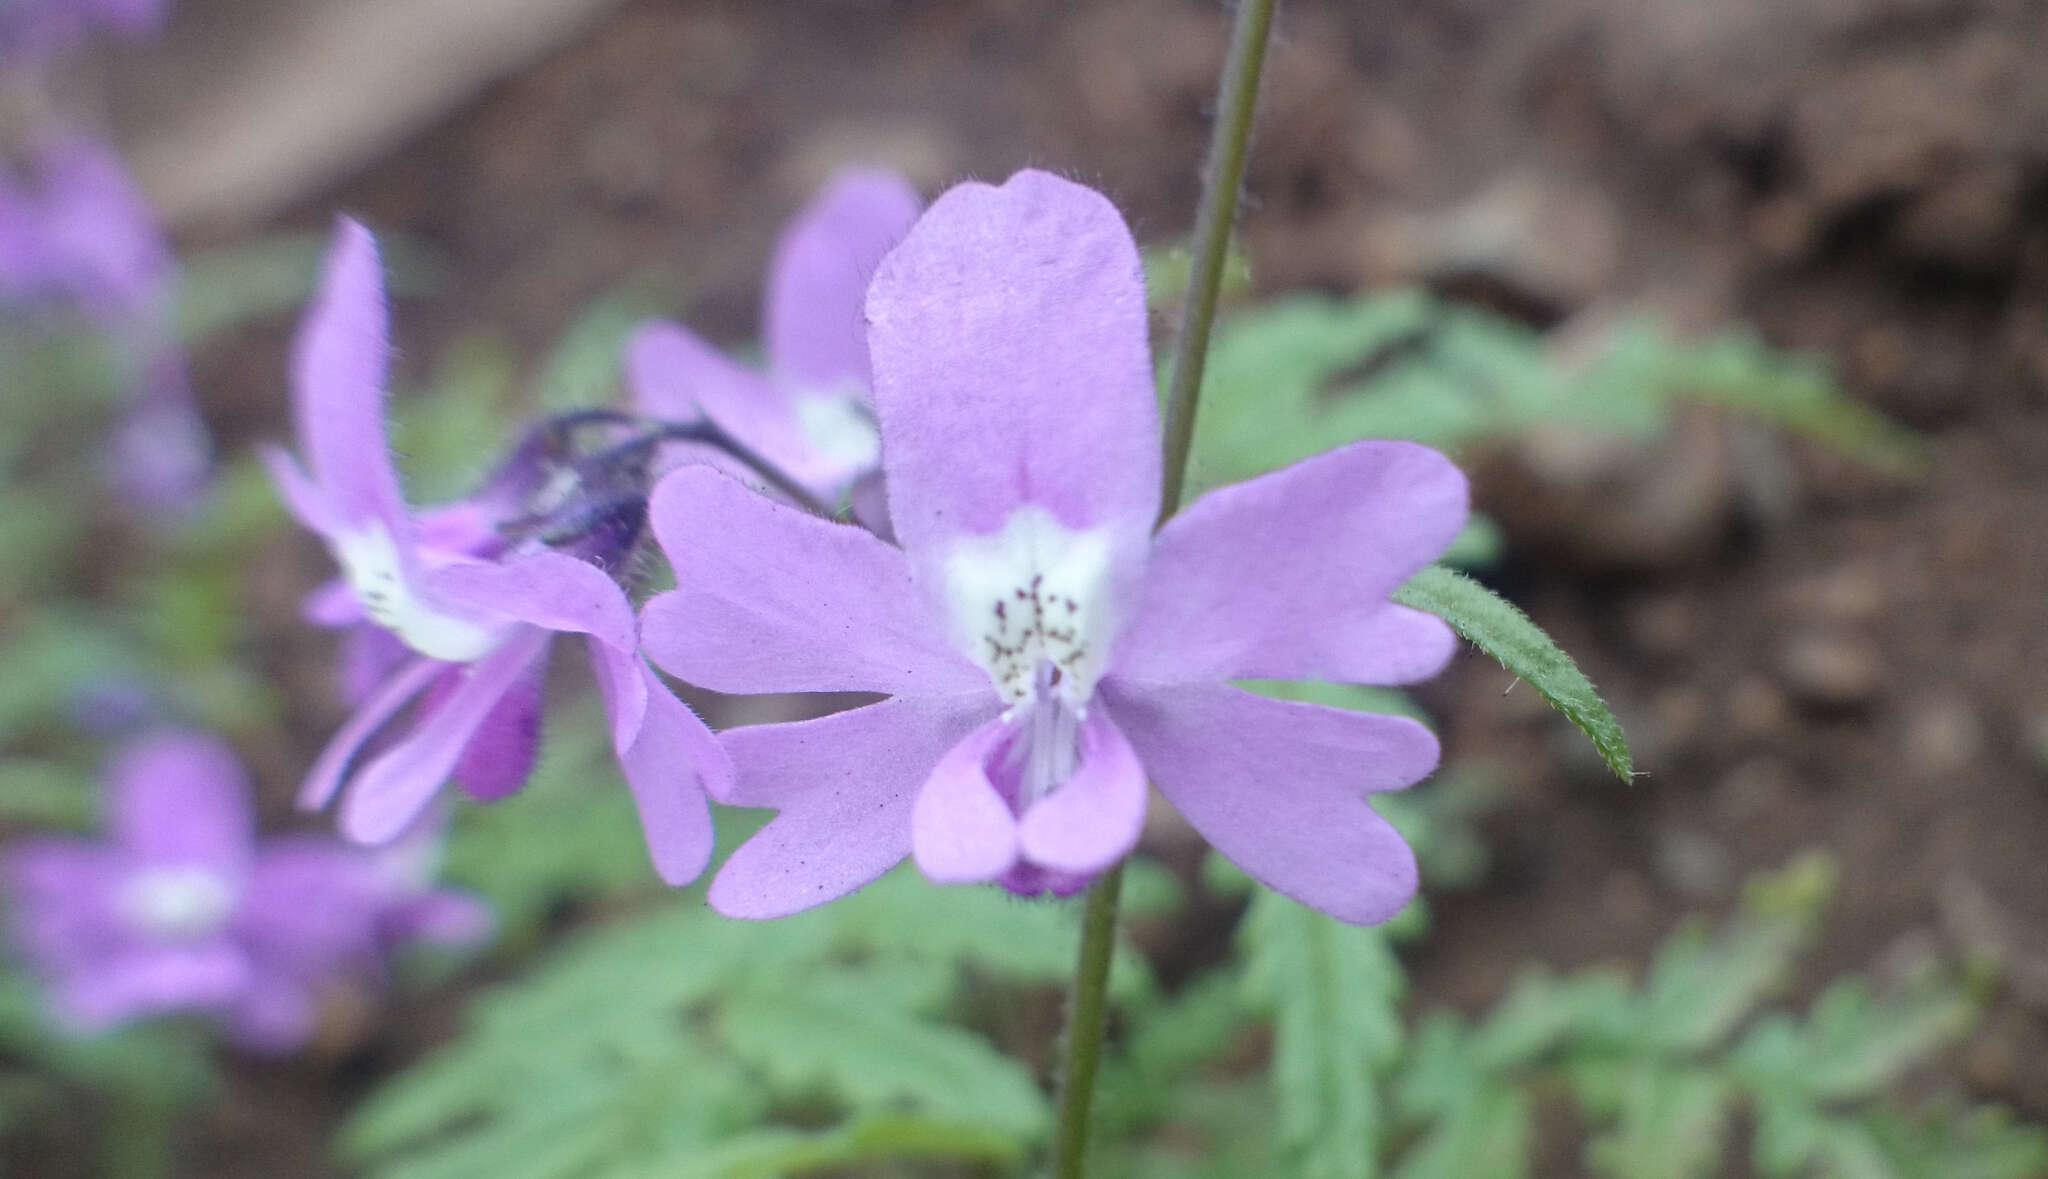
(178, 904)
(1031, 604)
(839, 430)
(370, 561)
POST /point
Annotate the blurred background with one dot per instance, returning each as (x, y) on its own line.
(1736, 313)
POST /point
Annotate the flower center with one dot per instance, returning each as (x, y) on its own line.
(1046, 749)
(1029, 603)
(370, 561)
(178, 904)
(839, 429)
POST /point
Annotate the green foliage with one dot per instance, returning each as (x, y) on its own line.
(1333, 992)
(1296, 376)
(679, 1042)
(1497, 627)
(1659, 1067)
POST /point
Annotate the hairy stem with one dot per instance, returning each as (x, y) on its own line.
(1236, 97)
(1085, 1019)
(1213, 220)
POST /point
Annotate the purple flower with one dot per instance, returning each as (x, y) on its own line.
(181, 910)
(474, 601)
(810, 412)
(1045, 653)
(79, 235)
(80, 232)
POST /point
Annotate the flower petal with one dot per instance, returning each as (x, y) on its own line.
(329, 768)
(338, 373)
(1280, 788)
(151, 981)
(770, 599)
(313, 905)
(499, 758)
(389, 792)
(670, 759)
(1093, 819)
(545, 588)
(1008, 333)
(182, 798)
(812, 328)
(676, 376)
(274, 1015)
(1286, 576)
(961, 830)
(302, 498)
(845, 785)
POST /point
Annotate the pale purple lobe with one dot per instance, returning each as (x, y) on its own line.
(771, 599)
(812, 326)
(1286, 576)
(844, 785)
(98, 241)
(677, 376)
(670, 761)
(151, 980)
(547, 589)
(339, 364)
(312, 903)
(182, 799)
(1008, 335)
(367, 659)
(331, 767)
(63, 895)
(1280, 787)
(302, 498)
(389, 793)
(274, 1015)
(442, 917)
(961, 829)
(1094, 818)
(500, 757)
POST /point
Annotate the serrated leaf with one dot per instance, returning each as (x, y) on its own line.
(1334, 993)
(878, 1059)
(1497, 627)
(1487, 1131)
(774, 1154)
(1669, 1126)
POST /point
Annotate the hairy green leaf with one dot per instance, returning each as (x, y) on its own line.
(1497, 627)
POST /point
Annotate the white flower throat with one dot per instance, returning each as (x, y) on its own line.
(1030, 604)
(370, 561)
(183, 903)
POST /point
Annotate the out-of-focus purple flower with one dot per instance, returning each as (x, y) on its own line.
(1045, 653)
(475, 591)
(79, 232)
(32, 30)
(181, 909)
(78, 235)
(810, 413)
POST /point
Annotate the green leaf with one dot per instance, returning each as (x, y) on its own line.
(583, 368)
(775, 1153)
(1334, 993)
(1497, 627)
(1670, 1125)
(803, 1040)
(1487, 1131)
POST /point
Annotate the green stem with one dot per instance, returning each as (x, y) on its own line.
(1213, 220)
(1237, 95)
(1085, 1019)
